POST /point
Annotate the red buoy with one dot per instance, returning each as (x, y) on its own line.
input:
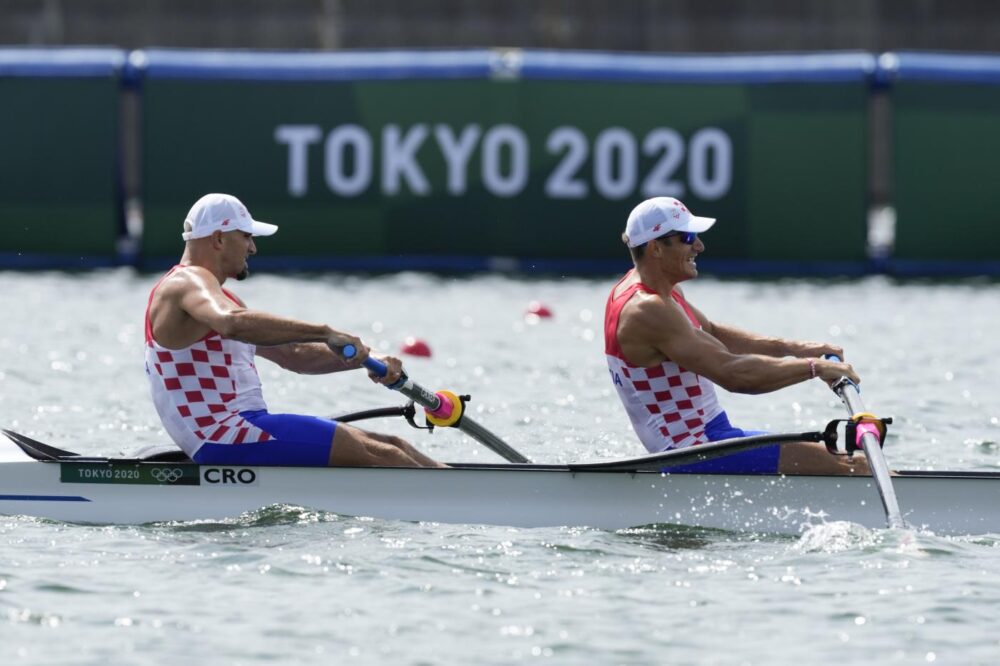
(539, 309)
(415, 347)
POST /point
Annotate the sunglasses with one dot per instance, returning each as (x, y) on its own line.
(686, 237)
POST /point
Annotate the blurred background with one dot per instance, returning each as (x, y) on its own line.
(460, 135)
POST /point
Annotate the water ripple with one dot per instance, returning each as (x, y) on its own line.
(290, 585)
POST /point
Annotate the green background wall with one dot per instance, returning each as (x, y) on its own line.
(59, 172)
(946, 141)
(797, 151)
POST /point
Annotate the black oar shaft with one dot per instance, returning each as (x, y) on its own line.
(430, 400)
(696, 454)
(491, 441)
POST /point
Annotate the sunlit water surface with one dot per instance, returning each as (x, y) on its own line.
(291, 586)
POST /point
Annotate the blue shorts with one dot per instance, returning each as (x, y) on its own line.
(763, 460)
(299, 441)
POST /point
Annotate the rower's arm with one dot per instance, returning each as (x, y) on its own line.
(317, 359)
(199, 294)
(740, 341)
(666, 328)
(307, 358)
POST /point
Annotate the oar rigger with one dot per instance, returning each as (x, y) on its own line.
(447, 408)
(854, 431)
(450, 410)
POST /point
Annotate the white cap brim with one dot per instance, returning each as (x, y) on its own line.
(266, 229)
(697, 224)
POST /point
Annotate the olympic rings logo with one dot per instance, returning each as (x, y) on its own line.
(167, 475)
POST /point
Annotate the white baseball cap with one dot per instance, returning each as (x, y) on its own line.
(222, 212)
(659, 216)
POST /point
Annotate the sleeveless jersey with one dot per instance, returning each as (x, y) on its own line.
(199, 391)
(668, 405)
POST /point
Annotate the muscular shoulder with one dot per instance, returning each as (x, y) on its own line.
(646, 325)
(650, 313)
(184, 280)
(195, 282)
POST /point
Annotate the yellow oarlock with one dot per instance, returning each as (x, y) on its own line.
(868, 417)
(457, 407)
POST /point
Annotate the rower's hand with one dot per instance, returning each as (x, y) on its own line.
(394, 367)
(337, 341)
(820, 349)
(831, 371)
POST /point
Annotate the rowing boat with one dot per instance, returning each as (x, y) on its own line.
(43, 481)
(163, 485)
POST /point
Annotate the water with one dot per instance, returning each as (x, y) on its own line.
(289, 585)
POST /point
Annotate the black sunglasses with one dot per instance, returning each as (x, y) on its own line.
(687, 237)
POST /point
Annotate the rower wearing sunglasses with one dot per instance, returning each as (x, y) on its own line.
(666, 356)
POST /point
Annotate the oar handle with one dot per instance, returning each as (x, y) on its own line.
(376, 366)
(840, 383)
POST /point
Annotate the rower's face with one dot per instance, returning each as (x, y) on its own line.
(238, 246)
(677, 259)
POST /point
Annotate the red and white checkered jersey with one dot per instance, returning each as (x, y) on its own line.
(668, 405)
(199, 391)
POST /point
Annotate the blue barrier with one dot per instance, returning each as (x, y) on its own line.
(61, 62)
(696, 69)
(309, 66)
(938, 67)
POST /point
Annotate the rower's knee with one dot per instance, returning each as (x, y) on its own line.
(391, 440)
(355, 447)
(812, 458)
(398, 442)
(391, 455)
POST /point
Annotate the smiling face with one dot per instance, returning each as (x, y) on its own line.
(674, 258)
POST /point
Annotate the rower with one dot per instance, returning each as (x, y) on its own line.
(665, 356)
(201, 343)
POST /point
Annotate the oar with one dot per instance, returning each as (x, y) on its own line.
(868, 439)
(443, 408)
(695, 454)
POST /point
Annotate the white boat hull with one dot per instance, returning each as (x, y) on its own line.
(514, 495)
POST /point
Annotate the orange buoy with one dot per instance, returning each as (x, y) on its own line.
(415, 347)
